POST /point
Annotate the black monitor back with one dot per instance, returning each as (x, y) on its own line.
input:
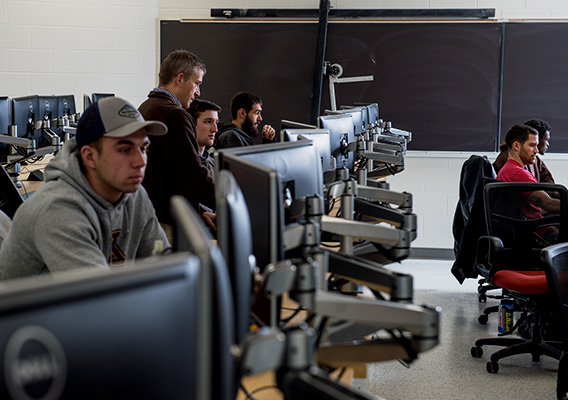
(66, 105)
(4, 122)
(25, 113)
(263, 195)
(234, 236)
(216, 325)
(97, 96)
(127, 333)
(10, 197)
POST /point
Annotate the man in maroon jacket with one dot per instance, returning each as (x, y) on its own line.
(174, 167)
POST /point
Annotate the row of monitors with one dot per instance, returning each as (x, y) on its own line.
(335, 130)
(59, 338)
(25, 112)
(31, 109)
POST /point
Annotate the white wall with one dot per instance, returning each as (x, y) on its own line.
(86, 46)
(78, 46)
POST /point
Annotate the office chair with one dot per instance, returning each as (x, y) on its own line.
(511, 254)
(468, 223)
(556, 259)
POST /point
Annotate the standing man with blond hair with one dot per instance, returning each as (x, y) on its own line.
(174, 164)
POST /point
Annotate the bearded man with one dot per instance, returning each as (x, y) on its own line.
(246, 114)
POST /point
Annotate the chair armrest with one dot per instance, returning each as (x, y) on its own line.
(492, 256)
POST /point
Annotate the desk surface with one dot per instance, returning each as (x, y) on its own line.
(30, 186)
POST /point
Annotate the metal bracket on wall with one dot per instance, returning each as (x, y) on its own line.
(458, 13)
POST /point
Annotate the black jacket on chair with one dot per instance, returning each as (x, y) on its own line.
(469, 218)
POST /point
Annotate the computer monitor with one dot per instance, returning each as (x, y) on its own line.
(262, 192)
(364, 114)
(372, 114)
(4, 123)
(25, 113)
(4, 115)
(341, 134)
(66, 105)
(234, 236)
(269, 176)
(10, 197)
(215, 319)
(122, 333)
(86, 101)
(287, 124)
(359, 124)
(320, 137)
(97, 96)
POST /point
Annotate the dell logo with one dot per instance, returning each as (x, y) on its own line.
(34, 365)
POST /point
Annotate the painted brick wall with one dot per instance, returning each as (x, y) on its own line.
(76, 47)
(86, 46)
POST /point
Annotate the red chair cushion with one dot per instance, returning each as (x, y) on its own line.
(528, 282)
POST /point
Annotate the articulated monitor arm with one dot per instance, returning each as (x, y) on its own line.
(290, 354)
(396, 238)
(402, 199)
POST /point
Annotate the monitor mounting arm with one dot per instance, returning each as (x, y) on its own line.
(334, 72)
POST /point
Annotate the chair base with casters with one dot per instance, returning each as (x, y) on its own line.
(535, 345)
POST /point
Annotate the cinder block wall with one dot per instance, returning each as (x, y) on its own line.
(86, 46)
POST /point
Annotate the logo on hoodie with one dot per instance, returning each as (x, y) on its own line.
(118, 258)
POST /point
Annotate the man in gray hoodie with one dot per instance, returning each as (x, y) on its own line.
(92, 210)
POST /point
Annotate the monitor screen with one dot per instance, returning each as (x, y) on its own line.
(357, 115)
(122, 333)
(320, 137)
(25, 112)
(341, 133)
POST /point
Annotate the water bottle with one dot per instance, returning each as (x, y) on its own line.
(506, 315)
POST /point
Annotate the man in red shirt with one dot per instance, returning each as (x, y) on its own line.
(522, 145)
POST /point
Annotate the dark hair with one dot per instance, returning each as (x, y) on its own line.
(244, 100)
(179, 61)
(199, 106)
(519, 133)
(540, 125)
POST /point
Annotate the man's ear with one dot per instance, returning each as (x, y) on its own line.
(516, 146)
(89, 157)
(178, 79)
(242, 114)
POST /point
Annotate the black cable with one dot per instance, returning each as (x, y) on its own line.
(320, 330)
(247, 393)
(341, 374)
(267, 387)
(289, 318)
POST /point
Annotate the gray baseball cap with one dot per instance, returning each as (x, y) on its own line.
(113, 117)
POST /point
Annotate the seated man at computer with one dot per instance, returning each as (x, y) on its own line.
(539, 168)
(246, 112)
(206, 116)
(92, 210)
(522, 147)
